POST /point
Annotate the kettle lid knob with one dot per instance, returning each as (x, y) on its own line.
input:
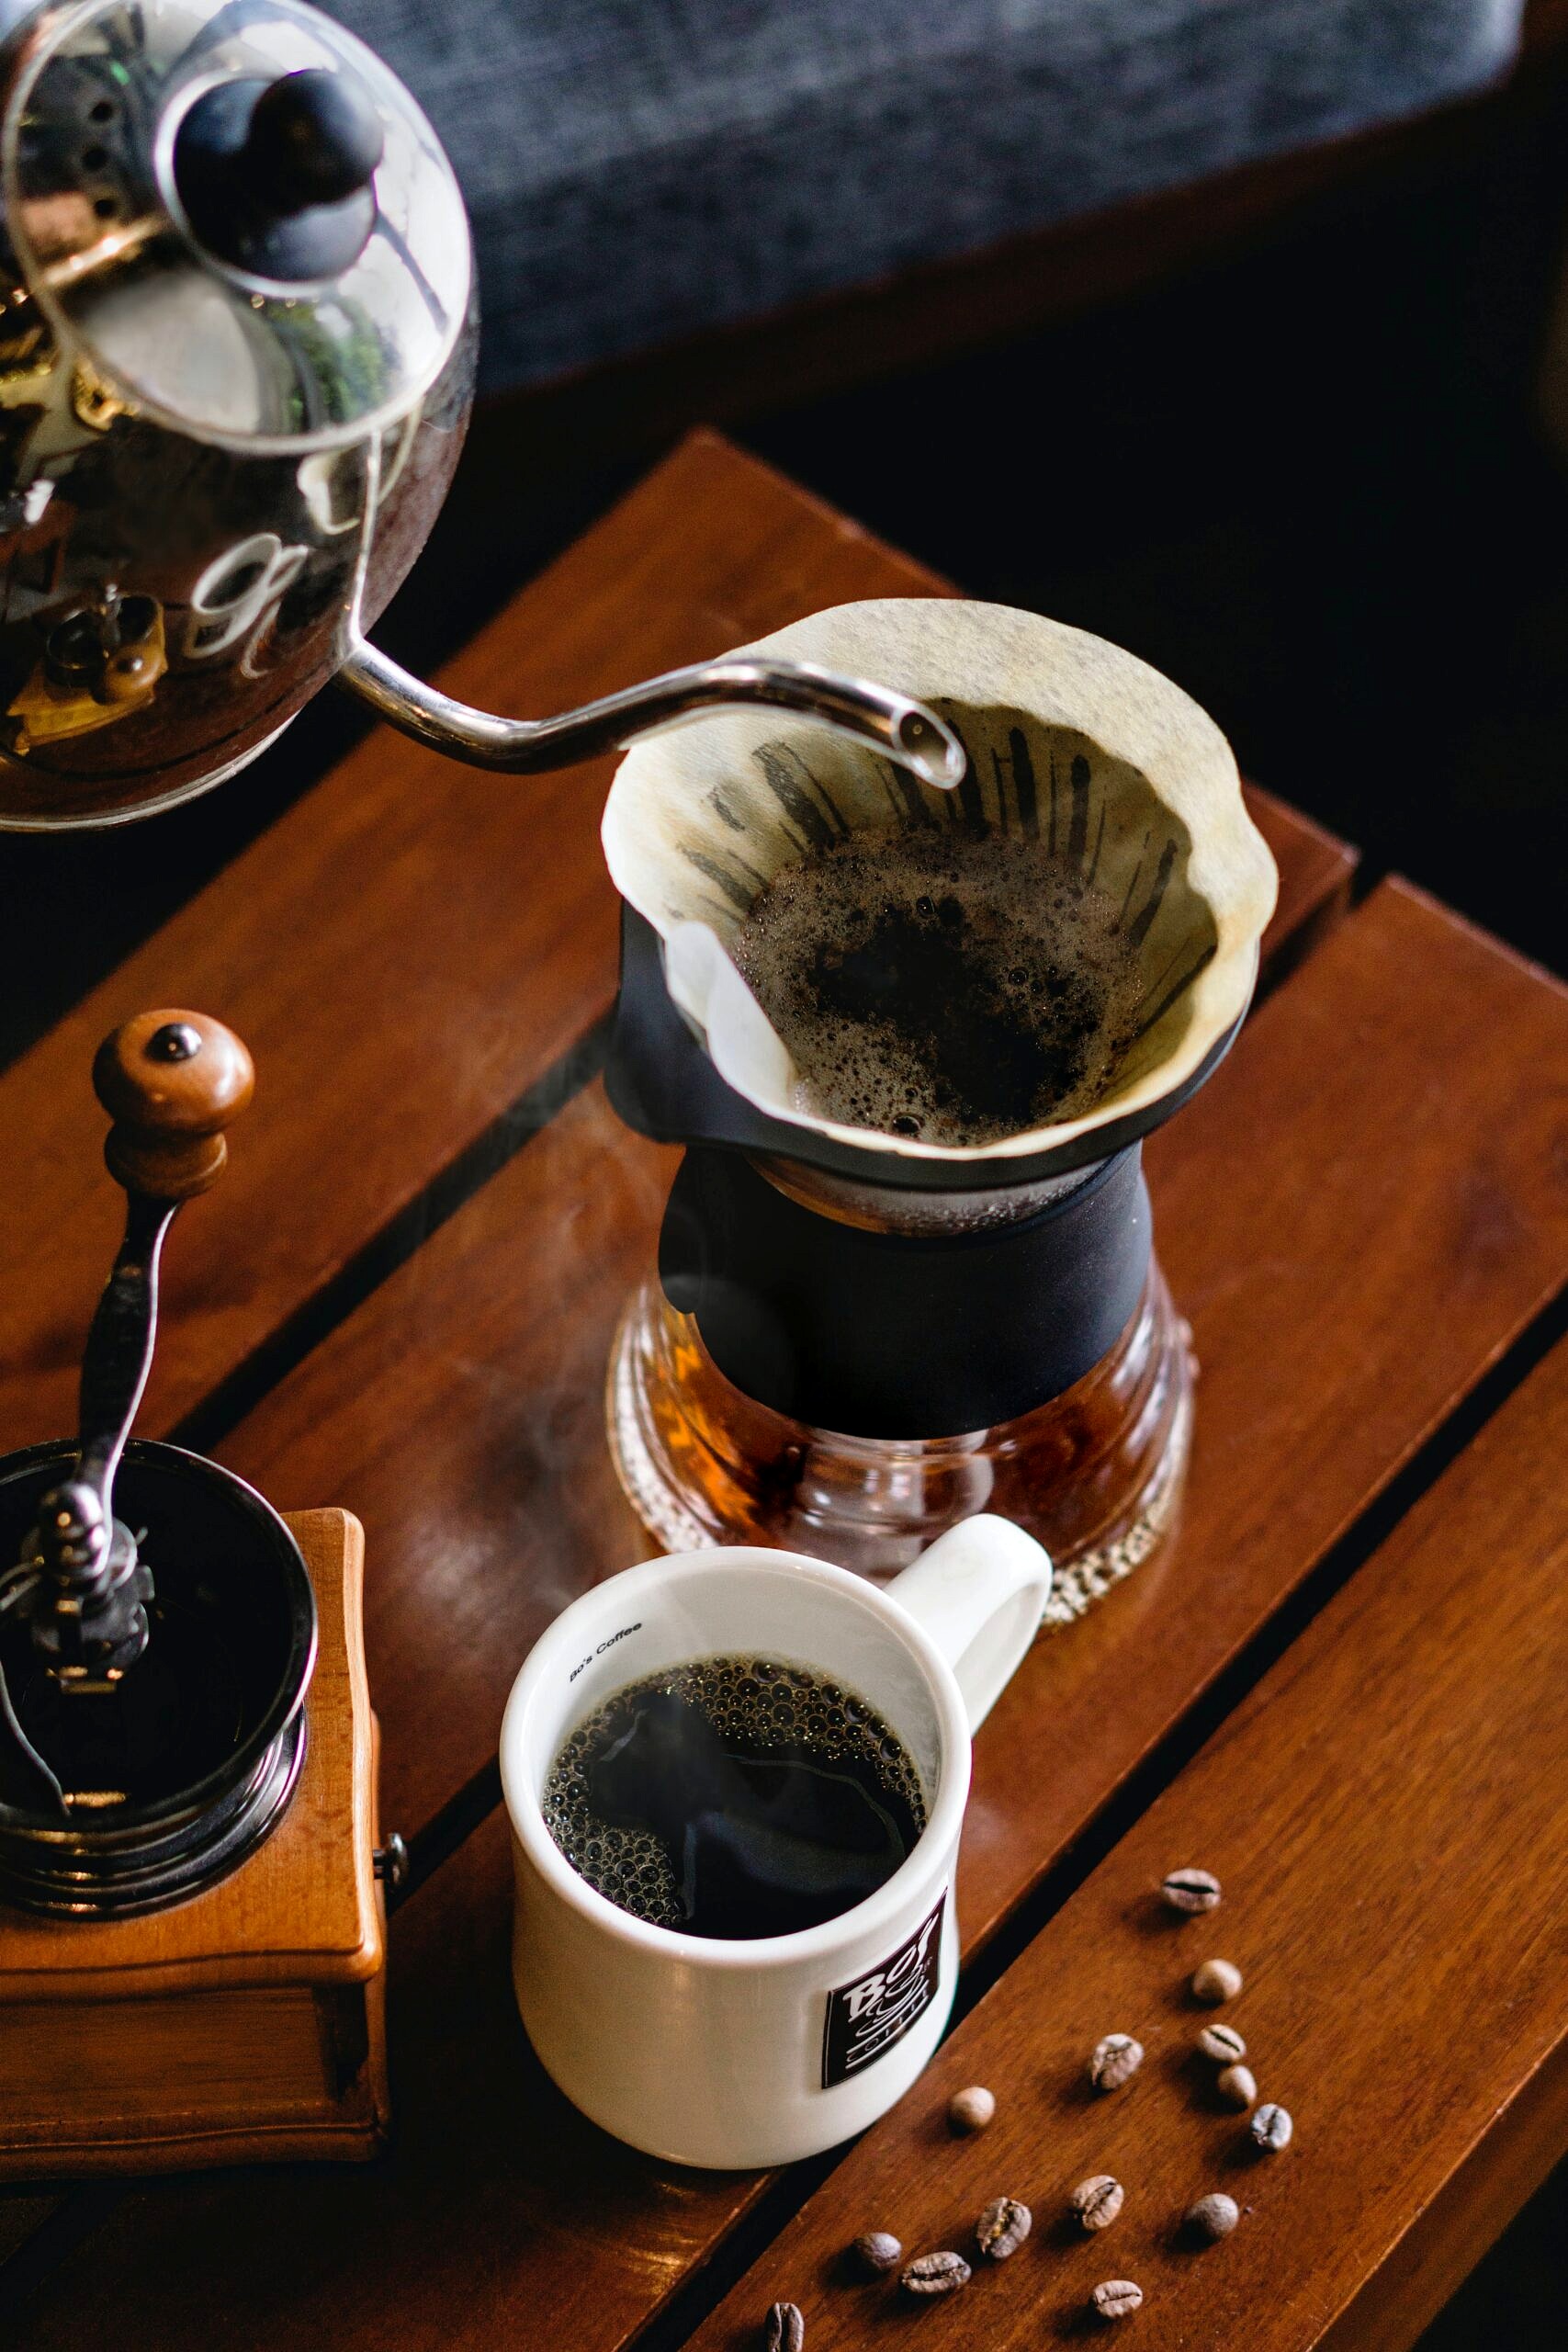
(275, 177)
(315, 138)
(236, 216)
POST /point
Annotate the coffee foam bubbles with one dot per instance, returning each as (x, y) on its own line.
(957, 986)
(758, 1703)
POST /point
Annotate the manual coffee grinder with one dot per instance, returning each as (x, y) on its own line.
(861, 1330)
(191, 1930)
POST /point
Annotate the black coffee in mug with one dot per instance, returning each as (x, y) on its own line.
(735, 1797)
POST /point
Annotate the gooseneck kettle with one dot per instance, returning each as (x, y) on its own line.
(237, 337)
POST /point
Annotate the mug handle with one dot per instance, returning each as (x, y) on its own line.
(979, 1592)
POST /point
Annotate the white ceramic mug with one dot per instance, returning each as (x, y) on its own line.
(736, 2054)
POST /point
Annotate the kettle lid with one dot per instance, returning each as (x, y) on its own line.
(235, 214)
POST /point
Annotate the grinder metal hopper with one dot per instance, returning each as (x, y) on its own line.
(854, 1323)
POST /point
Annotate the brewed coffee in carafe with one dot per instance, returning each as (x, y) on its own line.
(912, 1043)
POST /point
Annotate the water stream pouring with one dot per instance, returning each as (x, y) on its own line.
(237, 341)
(912, 1043)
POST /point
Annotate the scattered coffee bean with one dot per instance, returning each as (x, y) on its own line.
(877, 2250)
(1002, 2227)
(1236, 2088)
(1191, 1890)
(969, 2111)
(1216, 1981)
(1116, 2298)
(935, 2274)
(785, 2328)
(1271, 2127)
(1114, 2060)
(1214, 2216)
(1098, 2201)
(1223, 2044)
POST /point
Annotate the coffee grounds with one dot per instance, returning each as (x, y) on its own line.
(957, 986)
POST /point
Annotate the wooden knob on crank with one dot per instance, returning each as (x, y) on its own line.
(171, 1082)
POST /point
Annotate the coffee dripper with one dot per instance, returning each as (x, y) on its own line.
(237, 343)
(854, 1337)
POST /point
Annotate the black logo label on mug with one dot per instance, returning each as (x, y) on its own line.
(868, 2016)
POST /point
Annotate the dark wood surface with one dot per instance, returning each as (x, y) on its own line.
(1387, 1812)
(1311, 1205)
(1362, 1214)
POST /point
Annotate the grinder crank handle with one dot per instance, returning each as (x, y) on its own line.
(894, 724)
(171, 1082)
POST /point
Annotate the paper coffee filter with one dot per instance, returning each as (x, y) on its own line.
(1070, 740)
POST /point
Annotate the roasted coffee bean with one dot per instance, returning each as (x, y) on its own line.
(1114, 2060)
(1002, 2227)
(1236, 2088)
(1216, 1981)
(1116, 2298)
(1098, 2201)
(784, 2330)
(935, 2274)
(1190, 1890)
(877, 2250)
(1271, 2127)
(969, 2111)
(1223, 2044)
(1214, 2216)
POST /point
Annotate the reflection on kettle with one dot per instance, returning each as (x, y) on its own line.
(100, 663)
(236, 363)
(238, 594)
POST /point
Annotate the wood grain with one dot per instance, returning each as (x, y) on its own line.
(419, 2251)
(1353, 1250)
(405, 952)
(1388, 1814)
(1359, 1212)
(21, 2212)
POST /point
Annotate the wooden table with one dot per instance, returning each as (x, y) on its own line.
(1345, 1688)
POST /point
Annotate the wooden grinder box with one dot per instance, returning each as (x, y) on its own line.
(246, 2024)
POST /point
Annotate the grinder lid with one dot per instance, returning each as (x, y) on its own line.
(236, 215)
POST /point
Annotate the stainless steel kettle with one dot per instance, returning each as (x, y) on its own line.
(237, 336)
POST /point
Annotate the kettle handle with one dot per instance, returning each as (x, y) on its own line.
(894, 724)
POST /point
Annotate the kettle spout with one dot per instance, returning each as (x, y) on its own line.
(894, 724)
